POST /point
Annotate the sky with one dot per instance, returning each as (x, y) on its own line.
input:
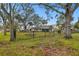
(41, 12)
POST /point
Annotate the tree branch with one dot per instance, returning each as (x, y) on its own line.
(51, 7)
(2, 7)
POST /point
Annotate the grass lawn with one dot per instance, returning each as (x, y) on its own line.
(41, 45)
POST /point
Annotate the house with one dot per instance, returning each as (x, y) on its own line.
(42, 27)
(46, 28)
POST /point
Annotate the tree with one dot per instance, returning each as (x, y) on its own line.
(3, 18)
(69, 10)
(44, 22)
(27, 14)
(9, 12)
(60, 20)
(77, 25)
(37, 20)
(4, 22)
(60, 23)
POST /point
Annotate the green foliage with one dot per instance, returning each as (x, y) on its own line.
(77, 25)
(60, 20)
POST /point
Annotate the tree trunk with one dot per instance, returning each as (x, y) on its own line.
(12, 31)
(15, 33)
(12, 35)
(12, 27)
(24, 27)
(67, 27)
(4, 33)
